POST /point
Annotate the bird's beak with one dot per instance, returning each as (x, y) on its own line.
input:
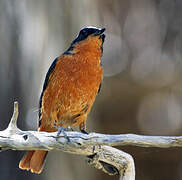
(99, 31)
(102, 37)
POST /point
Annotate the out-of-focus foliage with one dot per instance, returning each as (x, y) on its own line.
(142, 87)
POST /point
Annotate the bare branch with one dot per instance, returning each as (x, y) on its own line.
(94, 145)
(13, 121)
(108, 159)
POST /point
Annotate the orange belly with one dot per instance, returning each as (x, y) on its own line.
(70, 93)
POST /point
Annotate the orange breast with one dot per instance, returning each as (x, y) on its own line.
(71, 91)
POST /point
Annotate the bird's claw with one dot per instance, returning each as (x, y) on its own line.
(62, 130)
(84, 132)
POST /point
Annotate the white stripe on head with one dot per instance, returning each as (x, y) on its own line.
(90, 27)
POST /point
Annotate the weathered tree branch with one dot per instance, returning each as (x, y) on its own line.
(94, 145)
(106, 158)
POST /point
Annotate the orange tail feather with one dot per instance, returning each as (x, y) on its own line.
(33, 161)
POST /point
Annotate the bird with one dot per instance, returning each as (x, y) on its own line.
(69, 90)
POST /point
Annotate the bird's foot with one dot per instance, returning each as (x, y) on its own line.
(70, 128)
(83, 128)
(62, 130)
(84, 132)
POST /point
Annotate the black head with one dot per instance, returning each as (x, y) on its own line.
(85, 33)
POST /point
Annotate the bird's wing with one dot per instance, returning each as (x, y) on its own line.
(51, 69)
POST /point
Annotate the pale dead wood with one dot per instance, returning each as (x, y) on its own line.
(106, 158)
(97, 147)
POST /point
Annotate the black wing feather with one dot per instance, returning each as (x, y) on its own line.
(51, 69)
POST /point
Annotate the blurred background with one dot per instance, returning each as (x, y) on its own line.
(142, 87)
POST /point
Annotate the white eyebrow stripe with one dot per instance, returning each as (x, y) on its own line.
(90, 27)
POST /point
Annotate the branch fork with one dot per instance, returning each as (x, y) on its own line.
(112, 161)
(97, 147)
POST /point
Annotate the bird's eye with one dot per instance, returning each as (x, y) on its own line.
(84, 32)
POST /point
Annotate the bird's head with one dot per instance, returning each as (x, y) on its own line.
(89, 39)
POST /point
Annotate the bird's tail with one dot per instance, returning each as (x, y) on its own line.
(33, 161)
